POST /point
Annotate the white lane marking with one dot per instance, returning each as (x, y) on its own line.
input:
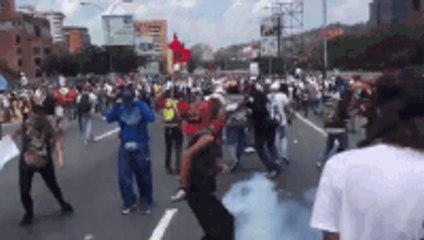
(311, 124)
(105, 135)
(160, 229)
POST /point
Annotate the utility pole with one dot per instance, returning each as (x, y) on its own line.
(324, 8)
(279, 38)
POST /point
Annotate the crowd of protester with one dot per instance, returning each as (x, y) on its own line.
(201, 122)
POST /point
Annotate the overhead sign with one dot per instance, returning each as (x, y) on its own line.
(269, 48)
(269, 27)
(118, 30)
(144, 46)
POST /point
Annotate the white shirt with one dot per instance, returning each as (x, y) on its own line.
(282, 101)
(371, 194)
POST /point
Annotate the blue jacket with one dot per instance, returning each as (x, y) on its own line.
(129, 134)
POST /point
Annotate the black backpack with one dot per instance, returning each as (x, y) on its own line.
(84, 106)
(333, 115)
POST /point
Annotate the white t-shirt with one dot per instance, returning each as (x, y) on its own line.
(282, 101)
(371, 194)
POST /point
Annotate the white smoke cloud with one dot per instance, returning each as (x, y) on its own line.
(262, 213)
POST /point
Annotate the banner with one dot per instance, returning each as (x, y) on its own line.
(118, 30)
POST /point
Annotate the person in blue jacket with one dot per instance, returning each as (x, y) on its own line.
(133, 117)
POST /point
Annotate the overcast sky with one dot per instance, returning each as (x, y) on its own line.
(216, 22)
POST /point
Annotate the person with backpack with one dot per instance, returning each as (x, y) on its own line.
(174, 136)
(336, 116)
(279, 109)
(85, 102)
(264, 130)
(133, 117)
(39, 142)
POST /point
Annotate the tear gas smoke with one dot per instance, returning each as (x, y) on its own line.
(262, 213)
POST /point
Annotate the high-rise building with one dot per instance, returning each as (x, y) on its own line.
(7, 7)
(56, 25)
(388, 12)
(157, 31)
(76, 38)
(25, 40)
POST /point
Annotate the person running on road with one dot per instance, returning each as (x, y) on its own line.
(85, 104)
(377, 192)
(279, 99)
(264, 130)
(39, 142)
(134, 151)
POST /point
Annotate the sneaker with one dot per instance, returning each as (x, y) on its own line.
(274, 173)
(180, 195)
(234, 166)
(67, 209)
(249, 150)
(26, 220)
(147, 211)
(129, 210)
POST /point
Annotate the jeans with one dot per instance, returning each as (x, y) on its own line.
(235, 137)
(135, 163)
(26, 173)
(173, 138)
(86, 125)
(215, 220)
(265, 147)
(281, 142)
(332, 148)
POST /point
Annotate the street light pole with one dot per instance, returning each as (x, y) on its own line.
(324, 8)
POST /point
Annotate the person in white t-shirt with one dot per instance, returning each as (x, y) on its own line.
(281, 101)
(377, 192)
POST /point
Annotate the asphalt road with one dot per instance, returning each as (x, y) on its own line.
(89, 182)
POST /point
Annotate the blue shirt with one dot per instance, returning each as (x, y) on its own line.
(138, 133)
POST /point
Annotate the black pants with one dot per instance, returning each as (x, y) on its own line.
(26, 174)
(265, 147)
(213, 217)
(173, 140)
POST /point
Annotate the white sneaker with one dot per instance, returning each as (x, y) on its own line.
(180, 195)
(129, 210)
(249, 150)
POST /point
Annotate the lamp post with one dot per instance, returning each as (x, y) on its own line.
(324, 75)
(324, 9)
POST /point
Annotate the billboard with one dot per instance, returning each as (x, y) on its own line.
(144, 46)
(269, 48)
(269, 27)
(118, 30)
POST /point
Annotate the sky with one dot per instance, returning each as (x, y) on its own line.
(218, 23)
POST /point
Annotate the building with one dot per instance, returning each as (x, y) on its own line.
(249, 52)
(56, 25)
(25, 40)
(7, 7)
(157, 31)
(388, 12)
(203, 52)
(76, 38)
